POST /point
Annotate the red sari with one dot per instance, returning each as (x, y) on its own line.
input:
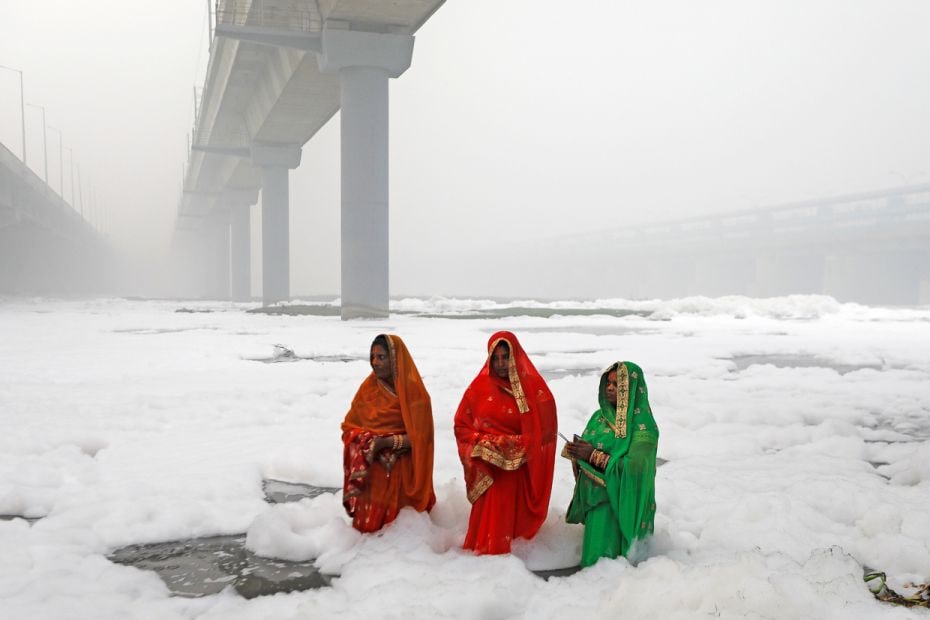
(505, 430)
(377, 486)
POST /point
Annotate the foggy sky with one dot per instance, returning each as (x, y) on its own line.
(518, 120)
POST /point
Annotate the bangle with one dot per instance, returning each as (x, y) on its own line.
(599, 459)
(394, 442)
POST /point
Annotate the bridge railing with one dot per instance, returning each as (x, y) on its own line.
(298, 15)
(850, 216)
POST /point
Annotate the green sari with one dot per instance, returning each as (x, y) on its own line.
(617, 505)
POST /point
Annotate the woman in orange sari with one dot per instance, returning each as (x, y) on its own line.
(388, 439)
(505, 428)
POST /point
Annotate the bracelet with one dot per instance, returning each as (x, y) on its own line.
(395, 446)
(599, 459)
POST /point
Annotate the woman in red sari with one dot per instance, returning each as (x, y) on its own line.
(505, 428)
(388, 439)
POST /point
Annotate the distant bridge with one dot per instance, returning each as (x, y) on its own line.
(871, 247)
(46, 247)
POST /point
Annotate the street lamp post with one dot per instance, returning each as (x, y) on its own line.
(80, 192)
(71, 160)
(61, 164)
(22, 107)
(44, 141)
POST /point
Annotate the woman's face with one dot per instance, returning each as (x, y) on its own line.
(612, 387)
(500, 360)
(381, 363)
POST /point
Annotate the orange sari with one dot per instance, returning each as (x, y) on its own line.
(377, 486)
(505, 430)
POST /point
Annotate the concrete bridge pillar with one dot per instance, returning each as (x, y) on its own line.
(364, 62)
(241, 253)
(275, 161)
(220, 233)
(238, 204)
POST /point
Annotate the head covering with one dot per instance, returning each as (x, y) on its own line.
(632, 411)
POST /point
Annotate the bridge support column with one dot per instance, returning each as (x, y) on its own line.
(221, 257)
(275, 162)
(241, 254)
(238, 203)
(364, 61)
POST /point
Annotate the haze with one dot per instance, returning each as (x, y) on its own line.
(519, 122)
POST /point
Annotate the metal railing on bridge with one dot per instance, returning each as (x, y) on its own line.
(297, 15)
(850, 216)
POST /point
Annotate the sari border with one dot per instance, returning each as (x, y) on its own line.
(482, 484)
(518, 394)
(623, 399)
(593, 477)
(497, 459)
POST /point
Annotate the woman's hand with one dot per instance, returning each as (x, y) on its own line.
(580, 449)
(382, 443)
(388, 442)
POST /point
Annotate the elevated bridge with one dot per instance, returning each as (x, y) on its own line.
(278, 71)
(871, 247)
(46, 247)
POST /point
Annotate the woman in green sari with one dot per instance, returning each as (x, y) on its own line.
(615, 467)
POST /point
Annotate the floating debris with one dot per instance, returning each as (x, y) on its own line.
(876, 581)
(282, 354)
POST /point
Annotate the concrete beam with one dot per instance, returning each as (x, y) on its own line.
(275, 37)
(341, 49)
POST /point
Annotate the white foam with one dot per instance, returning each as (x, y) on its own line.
(127, 422)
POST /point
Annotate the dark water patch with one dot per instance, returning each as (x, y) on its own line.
(29, 520)
(280, 492)
(517, 311)
(592, 330)
(195, 310)
(888, 434)
(914, 427)
(557, 572)
(578, 352)
(205, 566)
(560, 373)
(298, 310)
(877, 465)
(306, 358)
(798, 360)
(151, 331)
